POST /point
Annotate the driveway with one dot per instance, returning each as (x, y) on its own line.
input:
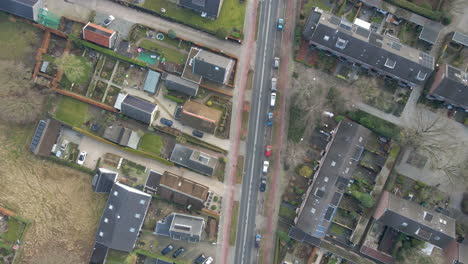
(77, 9)
(96, 149)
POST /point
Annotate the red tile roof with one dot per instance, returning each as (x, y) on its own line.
(97, 34)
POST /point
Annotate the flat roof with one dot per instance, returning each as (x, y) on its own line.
(187, 224)
(184, 185)
(151, 81)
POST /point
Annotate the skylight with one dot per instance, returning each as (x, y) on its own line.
(341, 43)
(389, 63)
(421, 76)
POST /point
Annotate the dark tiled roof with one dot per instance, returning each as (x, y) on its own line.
(22, 8)
(430, 34)
(194, 160)
(103, 180)
(176, 83)
(153, 180)
(138, 108)
(460, 38)
(99, 254)
(210, 7)
(454, 86)
(337, 167)
(122, 218)
(212, 66)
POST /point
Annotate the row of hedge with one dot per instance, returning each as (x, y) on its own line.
(84, 43)
(429, 13)
(375, 124)
(174, 99)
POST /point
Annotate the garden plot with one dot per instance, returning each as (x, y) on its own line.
(56, 45)
(78, 70)
(132, 173)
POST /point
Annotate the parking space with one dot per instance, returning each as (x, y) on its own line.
(120, 25)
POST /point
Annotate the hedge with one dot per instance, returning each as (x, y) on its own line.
(175, 99)
(70, 164)
(155, 255)
(106, 51)
(375, 124)
(431, 14)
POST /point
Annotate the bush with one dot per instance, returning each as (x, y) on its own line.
(365, 199)
(375, 124)
(213, 207)
(221, 33)
(295, 75)
(305, 171)
(342, 7)
(446, 19)
(339, 118)
(431, 14)
(209, 103)
(175, 99)
(296, 126)
(215, 199)
(223, 160)
(171, 34)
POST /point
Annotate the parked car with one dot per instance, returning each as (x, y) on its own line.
(263, 184)
(276, 62)
(266, 164)
(274, 81)
(109, 20)
(273, 99)
(208, 260)
(64, 145)
(267, 151)
(81, 157)
(270, 119)
(166, 122)
(197, 133)
(200, 259)
(258, 238)
(178, 111)
(280, 24)
(178, 252)
(167, 249)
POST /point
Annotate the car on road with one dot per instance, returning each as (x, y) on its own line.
(200, 259)
(266, 164)
(273, 99)
(270, 119)
(166, 122)
(197, 133)
(167, 249)
(267, 151)
(81, 157)
(274, 81)
(263, 184)
(280, 24)
(178, 252)
(108, 20)
(276, 62)
(208, 260)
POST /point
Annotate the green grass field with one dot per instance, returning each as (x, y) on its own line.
(77, 69)
(151, 143)
(230, 18)
(234, 219)
(169, 54)
(72, 111)
(17, 38)
(14, 228)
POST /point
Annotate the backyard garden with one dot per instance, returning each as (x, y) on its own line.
(12, 230)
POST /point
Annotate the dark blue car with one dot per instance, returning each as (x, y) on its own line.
(166, 122)
(270, 119)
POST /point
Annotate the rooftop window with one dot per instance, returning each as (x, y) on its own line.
(137, 216)
(326, 38)
(421, 76)
(101, 234)
(111, 206)
(389, 63)
(341, 43)
(116, 193)
(132, 229)
(106, 220)
(142, 201)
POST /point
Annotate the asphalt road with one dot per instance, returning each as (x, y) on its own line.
(245, 251)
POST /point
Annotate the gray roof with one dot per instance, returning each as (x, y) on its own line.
(430, 32)
(176, 83)
(454, 86)
(195, 160)
(153, 180)
(415, 220)
(44, 66)
(122, 136)
(99, 254)
(460, 38)
(371, 49)
(210, 7)
(151, 81)
(23, 8)
(103, 180)
(187, 226)
(122, 218)
(337, 166)
(138, 109)
(212, 66)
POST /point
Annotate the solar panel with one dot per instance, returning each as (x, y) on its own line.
(37, 135)
(426, 60)
(362, 32)
(329, 213)
(336, 198)
(396, 45)
(335, 20)
(346, 25)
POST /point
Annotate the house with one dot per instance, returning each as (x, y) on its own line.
(194, 160)
(459, 38)
(379, 54)
(172, 187)
(212, 66)
(99, 35)
(412, 219)
(103, 180)
(28, 9)
(200, 117)
(136, 108)
(450, 85)
(45, 137)
(337, 165)
(122, 218)
(181, 227)
(151, 81)
(176, 83)
(122, 136)
(207, 8)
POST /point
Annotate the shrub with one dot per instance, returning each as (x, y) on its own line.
(305, 171)
(171, 34)
(70, 164)
(174, 99)
(446, 19)
(223, 160)
(221, 33)
(339, 118)
(295, 75)
(375, 124)
(213, 207)
(429, 13)
(215, 199)
(365, 199)
(209, 103)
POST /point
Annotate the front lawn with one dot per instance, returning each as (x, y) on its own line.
(72, 111)
(169, 54)
(231, 17)
(151, 143)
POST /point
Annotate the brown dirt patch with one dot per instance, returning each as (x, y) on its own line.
(59, 201)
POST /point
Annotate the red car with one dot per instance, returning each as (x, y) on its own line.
(267, 151)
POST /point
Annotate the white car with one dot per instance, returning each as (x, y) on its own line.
(274, 81)
(266, 164)
(273, 99)
(276, 62)
(109, 20)
(81, 157)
